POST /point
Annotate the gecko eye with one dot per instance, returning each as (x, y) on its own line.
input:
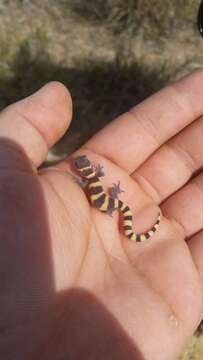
(81, 162)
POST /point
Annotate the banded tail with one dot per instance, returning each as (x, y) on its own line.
(128, 225)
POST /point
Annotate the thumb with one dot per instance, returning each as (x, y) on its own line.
(35, 123)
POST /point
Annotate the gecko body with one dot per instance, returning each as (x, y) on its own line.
(107, 203)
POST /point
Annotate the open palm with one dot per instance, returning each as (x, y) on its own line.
(55, 246)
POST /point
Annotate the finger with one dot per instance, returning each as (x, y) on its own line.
(171, 166)
(133, 137)
(195, 245)
(196, 248)
(38, 121)
(186, 206)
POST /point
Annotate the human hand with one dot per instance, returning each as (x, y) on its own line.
(59, 253)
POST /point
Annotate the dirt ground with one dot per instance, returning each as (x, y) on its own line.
(110, 54)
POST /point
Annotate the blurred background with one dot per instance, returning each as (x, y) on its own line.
(111, 54)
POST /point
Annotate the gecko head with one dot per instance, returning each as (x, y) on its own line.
(81, 162)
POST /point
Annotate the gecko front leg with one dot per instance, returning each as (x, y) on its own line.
(98, 169)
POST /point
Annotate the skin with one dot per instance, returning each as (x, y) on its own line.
(66, 269)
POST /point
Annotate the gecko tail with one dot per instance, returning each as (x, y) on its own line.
(147, 235)
(128, 225)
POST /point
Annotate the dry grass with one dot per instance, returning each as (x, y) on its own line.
(107, 53)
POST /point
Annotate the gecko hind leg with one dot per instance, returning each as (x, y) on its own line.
(116, 190)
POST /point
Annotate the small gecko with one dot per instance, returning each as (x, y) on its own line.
(109, 203)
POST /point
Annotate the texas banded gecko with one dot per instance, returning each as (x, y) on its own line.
(106, 203)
